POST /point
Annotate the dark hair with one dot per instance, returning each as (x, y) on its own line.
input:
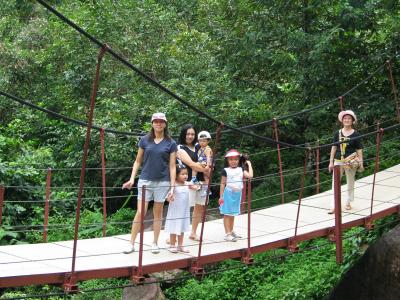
(152, 134)
(182, 135)
(179, 169)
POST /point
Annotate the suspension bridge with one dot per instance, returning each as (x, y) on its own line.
(261, 229)
(280, 226)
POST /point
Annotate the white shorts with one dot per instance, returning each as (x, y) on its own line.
(195, 198)
(155, 190)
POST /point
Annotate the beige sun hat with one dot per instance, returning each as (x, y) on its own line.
(347, 112)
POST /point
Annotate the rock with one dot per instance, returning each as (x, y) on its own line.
(150, 291)
(376, 275)
(169, 276)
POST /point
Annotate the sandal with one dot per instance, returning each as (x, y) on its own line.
(173, 249)
(348, 206)
(183, 250)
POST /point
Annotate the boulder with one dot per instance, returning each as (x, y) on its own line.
(376, 275)
(148, 291)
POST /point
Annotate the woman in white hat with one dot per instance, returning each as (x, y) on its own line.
(350, 154)
(157, 153)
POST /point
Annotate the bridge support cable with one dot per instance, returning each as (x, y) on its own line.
(341, 103)
(393, 87)
(276, 136)
(338, 214)
(244, 197)
(103, 181)
(157, 84)
(197, 268)
(47, 205)
(292, 241)
(137, 272)
(317, 162)
(379, 134)
(70, 283)
(67, 119)
(1, 203)
(247, 257)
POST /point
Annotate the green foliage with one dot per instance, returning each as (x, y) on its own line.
(308, 274)
(240, 61)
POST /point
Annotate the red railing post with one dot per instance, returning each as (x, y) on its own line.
(292, 242)
(275, 127)
(341, 103)
(70, 280)
(103, 181)
(243, 200)
(379, 134)
(196, 267)
(317, 158)
(138, 274)
(394, 89)
(338, 214)
(1, 203)
(47, 205)
(247, 256)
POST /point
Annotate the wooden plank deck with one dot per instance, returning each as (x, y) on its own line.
(270, 228)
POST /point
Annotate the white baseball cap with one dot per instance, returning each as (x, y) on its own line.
(158, 116)
(204, 135)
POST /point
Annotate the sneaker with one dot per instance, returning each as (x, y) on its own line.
(155, 249)
(230, 238)
(235, 235)
(130, 249)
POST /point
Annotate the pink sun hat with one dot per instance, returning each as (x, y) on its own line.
(232, 153)
(347, 112)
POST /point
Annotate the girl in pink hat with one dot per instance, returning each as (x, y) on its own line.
(231, 191)
(350, 154)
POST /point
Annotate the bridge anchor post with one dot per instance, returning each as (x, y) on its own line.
(138, 279)
(292, 245)
(197, 270)
(369, 224)
(247, 258)
(70, 285)
(331, 235)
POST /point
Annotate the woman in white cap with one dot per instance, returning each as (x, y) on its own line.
(350, 154)
(157, 153)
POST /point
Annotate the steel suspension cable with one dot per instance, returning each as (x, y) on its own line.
(66, 118)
